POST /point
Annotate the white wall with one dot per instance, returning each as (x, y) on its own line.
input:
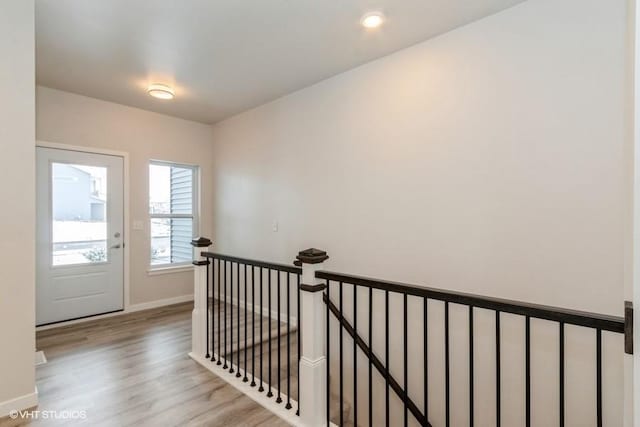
(492, 160)
(77, 120)
(17, 219)
(633, 290)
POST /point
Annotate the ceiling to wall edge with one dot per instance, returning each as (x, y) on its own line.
(293, 91)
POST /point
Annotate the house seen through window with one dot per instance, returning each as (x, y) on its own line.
(79, 217)
(172, 211)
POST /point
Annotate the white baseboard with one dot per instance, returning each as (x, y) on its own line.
(288, 415)
(158, 303)
(130, 309)
(19, 403)
(41, 359)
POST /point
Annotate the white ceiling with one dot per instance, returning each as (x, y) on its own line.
(224, 56)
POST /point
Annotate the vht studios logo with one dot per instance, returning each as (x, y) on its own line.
(48, 415)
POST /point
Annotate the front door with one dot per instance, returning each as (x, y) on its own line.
(80, 216)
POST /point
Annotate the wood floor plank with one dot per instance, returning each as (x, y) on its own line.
(134, 370)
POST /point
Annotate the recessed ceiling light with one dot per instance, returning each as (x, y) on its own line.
(372, 20)
(160, 91)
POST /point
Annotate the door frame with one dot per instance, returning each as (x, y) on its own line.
(126, 226)
(632, 284)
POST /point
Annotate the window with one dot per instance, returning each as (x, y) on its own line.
(173, 212)
(78, 205)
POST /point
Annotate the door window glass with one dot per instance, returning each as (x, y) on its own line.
(79, 214)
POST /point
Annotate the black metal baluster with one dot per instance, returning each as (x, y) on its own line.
(528, 370)
(269, 392)
(288, 405)
(406, 364)
(279, 398)
(261, 388)
(328, 397)
(299, 338)
(206, 340)
(561, 369)
(238, 374)
(426, 361)
(386, 352)
(219, 311)
(471, 382)
(599, 375)
(355, 355)
(246, 302)
(498, 380)
(341, 360)
(225, 366)
(370, 357)
(447, 385)
(253, 326)
(231, 370)
(213, 308)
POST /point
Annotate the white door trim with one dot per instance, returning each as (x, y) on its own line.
(127, 229)
(632, 362)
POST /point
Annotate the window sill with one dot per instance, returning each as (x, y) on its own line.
(155, 271)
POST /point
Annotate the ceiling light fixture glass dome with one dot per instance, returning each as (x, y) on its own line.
(372, 20)
(160, 91)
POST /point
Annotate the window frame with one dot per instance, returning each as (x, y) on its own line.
(194, 216)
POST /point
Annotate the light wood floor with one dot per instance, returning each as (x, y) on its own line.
(134, 370)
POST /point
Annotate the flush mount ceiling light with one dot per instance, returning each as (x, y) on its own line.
(372, 20)
(160, 91)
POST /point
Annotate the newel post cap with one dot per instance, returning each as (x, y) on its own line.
(201, 242)
(312, 256)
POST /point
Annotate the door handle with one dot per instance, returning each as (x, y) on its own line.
(115, 246)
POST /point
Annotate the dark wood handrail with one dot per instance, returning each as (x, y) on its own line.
(573, 317)
(264, 264)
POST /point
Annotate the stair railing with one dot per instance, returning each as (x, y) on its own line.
(244, 320)
(367, 290)
(230, 289)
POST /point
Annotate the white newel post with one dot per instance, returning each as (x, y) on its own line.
(313, 360)
(199, 315)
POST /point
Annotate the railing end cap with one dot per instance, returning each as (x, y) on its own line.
(312, 256)
(201, 242)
